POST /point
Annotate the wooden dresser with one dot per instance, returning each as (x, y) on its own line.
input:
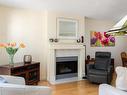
(31, 71)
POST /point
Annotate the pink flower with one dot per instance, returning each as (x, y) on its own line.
(106, 35)
(105, 41)
(98, 35)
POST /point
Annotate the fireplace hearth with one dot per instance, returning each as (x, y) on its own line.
(66, 67)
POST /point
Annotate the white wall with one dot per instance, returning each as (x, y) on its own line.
(52, 25)
(25, 26)
(104, 25)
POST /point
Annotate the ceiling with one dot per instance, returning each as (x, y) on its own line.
(98, 9)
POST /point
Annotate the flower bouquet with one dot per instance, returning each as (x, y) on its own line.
(11, 49)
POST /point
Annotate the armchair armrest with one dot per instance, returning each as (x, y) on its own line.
(105, 89)
(14, 79)
(90, 66)
(16, 89)
(110, 69)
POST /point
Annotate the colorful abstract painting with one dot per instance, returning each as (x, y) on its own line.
(101, 39)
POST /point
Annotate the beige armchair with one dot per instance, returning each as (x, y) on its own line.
(121, 84)
(16, 86)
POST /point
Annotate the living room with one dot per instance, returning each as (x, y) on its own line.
(37, 29)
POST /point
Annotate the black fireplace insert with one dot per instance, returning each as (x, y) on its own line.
(66, 67)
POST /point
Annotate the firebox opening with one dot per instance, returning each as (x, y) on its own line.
(66, 67)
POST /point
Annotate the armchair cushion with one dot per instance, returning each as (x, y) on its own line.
(101, 63)
(105, 89)
(2, 80)
(13, 79)
(121, 80)
(97, 72)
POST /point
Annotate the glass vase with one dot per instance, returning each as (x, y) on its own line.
(11, 59)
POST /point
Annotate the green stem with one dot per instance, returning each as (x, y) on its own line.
(11, 57)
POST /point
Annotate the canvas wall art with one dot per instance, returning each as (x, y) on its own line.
(101, 39)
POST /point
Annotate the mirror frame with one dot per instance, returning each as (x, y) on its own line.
(69, 20)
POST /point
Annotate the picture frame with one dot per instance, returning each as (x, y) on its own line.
(101, 39)
(67, 28)
(27, 59)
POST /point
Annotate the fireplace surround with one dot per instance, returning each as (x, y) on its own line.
(71, 50)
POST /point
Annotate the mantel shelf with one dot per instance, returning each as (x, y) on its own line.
(67, 46)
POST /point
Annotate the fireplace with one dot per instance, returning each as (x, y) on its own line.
(58, 53)
(66, 67)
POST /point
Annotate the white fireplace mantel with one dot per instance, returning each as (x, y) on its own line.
(51, 66)
(67, 46)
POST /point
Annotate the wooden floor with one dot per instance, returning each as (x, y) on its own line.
(83, 87)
